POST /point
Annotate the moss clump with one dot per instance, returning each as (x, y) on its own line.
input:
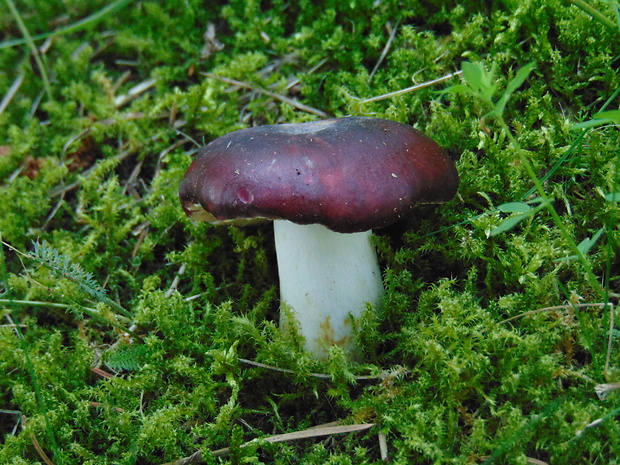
(126, 339)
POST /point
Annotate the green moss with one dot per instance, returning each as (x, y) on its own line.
(487, 345)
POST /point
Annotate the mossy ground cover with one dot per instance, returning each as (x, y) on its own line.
(131, 335)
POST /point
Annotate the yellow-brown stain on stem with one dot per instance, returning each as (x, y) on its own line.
(327, 333)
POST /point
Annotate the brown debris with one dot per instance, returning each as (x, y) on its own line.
(84, 156)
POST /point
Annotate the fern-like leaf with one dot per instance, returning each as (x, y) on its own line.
(62, 267)
(129, 358)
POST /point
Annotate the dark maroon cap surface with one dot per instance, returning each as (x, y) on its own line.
(349, 174)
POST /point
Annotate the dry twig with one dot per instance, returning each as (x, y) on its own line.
(316, 432)
(314, 375)
(603, 389)
(294, 103)
(6, 100)
(412, 88)
(134, 92)
(557, 307)
(37, 446)
(383, 448)
(385, 49)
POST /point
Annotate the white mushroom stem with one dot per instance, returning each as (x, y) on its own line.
(325, 277)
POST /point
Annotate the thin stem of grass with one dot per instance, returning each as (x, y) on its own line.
(78, 25)
(611, 239)
(590, 276)
(554, 308)
(600, 17)
(33, 48)
(92, 312)
(573, 147)
(478, 87)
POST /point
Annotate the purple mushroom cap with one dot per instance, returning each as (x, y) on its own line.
(348, 174)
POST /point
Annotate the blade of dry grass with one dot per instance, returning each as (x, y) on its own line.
(412, 88)
(309, 433)
(6, 100)
(282, 98)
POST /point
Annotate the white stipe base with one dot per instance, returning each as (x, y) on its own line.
(325, 276)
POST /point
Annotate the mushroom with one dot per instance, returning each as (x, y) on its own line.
(326, 185)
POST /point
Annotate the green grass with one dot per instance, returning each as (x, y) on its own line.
(131, 335)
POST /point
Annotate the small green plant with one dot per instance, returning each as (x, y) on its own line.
(520, 211)
(483, 85)
(62, 267)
